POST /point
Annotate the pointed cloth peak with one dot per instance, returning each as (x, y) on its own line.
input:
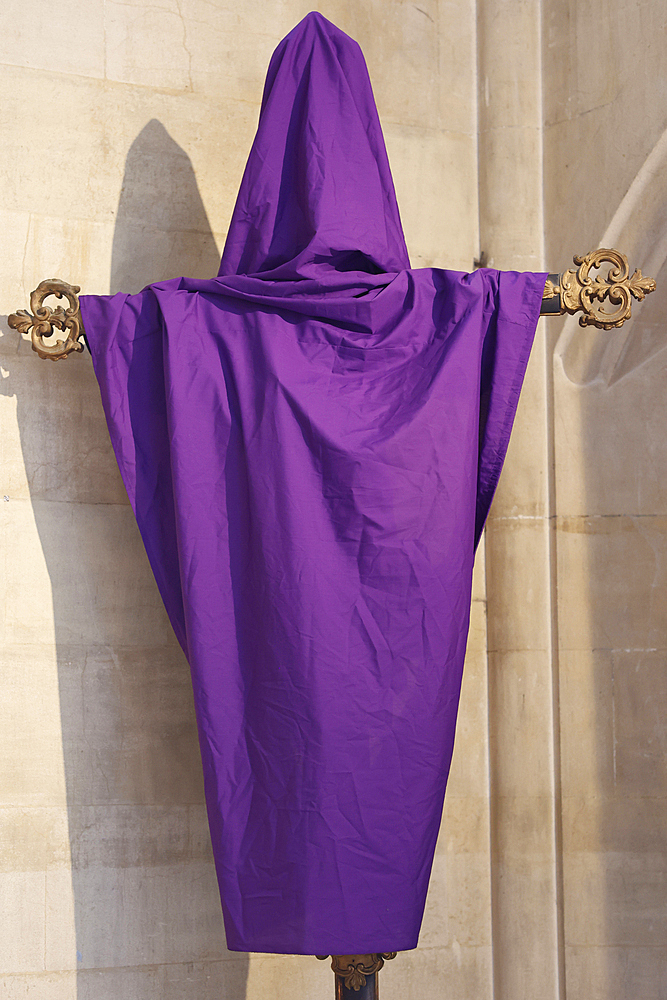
(317, 191)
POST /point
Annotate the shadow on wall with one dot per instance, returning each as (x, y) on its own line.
(146, 913)
(162, 230)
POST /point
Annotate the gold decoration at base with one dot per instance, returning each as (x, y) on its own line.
(42, 324)
(353, 969)
(582, 293)
(551, 290)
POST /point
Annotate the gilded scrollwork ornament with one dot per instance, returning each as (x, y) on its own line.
(588, 294)
(46, 320)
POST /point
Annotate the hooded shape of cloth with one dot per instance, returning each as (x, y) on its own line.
(310, 443)
(317, 189)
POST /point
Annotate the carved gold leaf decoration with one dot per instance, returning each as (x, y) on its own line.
(582, 292)
(45, 319)
(550, 290)
(353, 969)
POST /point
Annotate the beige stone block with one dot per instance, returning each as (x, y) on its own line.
(586, 706)
(221, 980)
(402, 55)
(522, 843)
(61, 938)
(606, 973)
(147, 915)
(458, 906)
(129, 732)
(288, 975)
(465, 824)
(517, 574)
(170, 160)
(33, 772)
(133, 835)
(80, 176)
(34, 839)
(14, 228)
(86, 576)
(524, 929)
(22, 941)
(446, 237)
(610, 445)
(563, 56)
(520, 730)
(14, 481)
(21, 543)
(511, 213)
(161, 227)
(217, 137)
(509, 63)
(3, 586)
(574, 155)
(145, 255)
(477, 630)
(521, 770)
(421, 973)
(217, 980)
(640, 724)
(477, 635)
(231, 47)
(40, 986)
(56, 445)
(479, 574)
(457, 971)
(456, 66)
(615, 899)
(469, 773)
(628, 824)
(612, 587)
(571, 443)
(579, 626)
(601, 57)
(46, 34)
(173, 177)
(523, 487)
(147, 45)
(76, 250)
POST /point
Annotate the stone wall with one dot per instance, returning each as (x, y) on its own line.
(605, 143)
(125, 128)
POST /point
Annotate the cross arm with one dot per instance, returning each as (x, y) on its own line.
(572, 291)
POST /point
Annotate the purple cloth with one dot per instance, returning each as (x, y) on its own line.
(310, 443)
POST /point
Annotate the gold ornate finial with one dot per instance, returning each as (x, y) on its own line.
(579, 292)
(42, 324)
(353, 969)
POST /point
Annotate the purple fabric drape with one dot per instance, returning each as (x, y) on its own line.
(310, 443)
